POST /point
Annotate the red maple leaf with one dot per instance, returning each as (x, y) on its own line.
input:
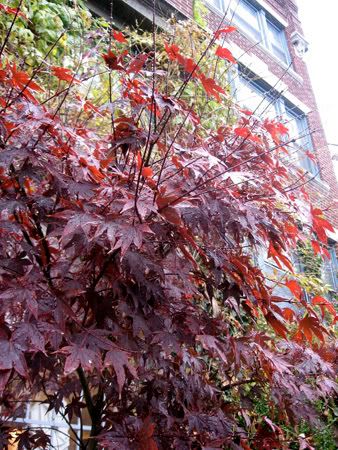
(119, 37)
(113, 61)
(211, 87)
(225, 30)
(64, 74)
(225, 53)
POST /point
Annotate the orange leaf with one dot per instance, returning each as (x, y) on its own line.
(323, 303)
(316, 247)
(28, 185)
(211, 87)
(242, 132)
(225, 53)
(294, 288)
(310, 327)
(64, 74)
(288, 314)
(224, 30)
(138, 160)
(118, 36)
(21, 79)
(147, 172)
(95, 172)
(279, 257)
(291, 229)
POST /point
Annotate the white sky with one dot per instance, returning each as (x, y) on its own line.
(320, 24)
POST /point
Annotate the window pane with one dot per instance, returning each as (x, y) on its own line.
(330, 269)
(276, 38)
(255, 98)
(246, 16)
(298, 129)
(219, 4)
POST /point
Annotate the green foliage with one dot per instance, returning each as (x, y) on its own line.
(46, 22)
(199, 13)
(312, 264)
(311, 277)
(323, 436)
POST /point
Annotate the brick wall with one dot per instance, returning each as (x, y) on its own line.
(298, 82)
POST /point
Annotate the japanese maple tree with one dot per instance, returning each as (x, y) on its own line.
(129, 289)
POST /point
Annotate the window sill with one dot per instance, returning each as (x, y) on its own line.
(285, 66)
(319, 182)
(309, 177)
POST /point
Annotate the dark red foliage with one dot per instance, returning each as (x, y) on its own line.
(127, 282)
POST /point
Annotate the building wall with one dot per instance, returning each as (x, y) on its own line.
(296, 80)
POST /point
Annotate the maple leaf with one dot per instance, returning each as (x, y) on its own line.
(279, 258)
(311, 327)
(23, 81)
(64, 74)
(172, 51)
(242, 132)
(113, 61)
(324, 304)
(130, 234)
(119, 360)
(28, 334)
(226, 30)
(211, 87)
(288, 314)
(78, 356)
(147, 172)
(28, 296)
(12, 356)
(294, 288)
(277, 325)
(137, 63)
(212, 344)
(144, 436)
(152, 308)
(225, 53)
(119, 37)
(320, 224)
(316, 247)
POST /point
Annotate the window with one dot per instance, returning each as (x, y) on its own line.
(277, 41)
(247, 18)
(297, 124)
(36, 415)
(257, 96)
(258, 24)
(330, 269)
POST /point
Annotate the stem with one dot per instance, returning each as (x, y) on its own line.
(94, 409)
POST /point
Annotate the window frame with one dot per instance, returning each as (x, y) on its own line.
(330, 267)
(282, 107)
(263, 18)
